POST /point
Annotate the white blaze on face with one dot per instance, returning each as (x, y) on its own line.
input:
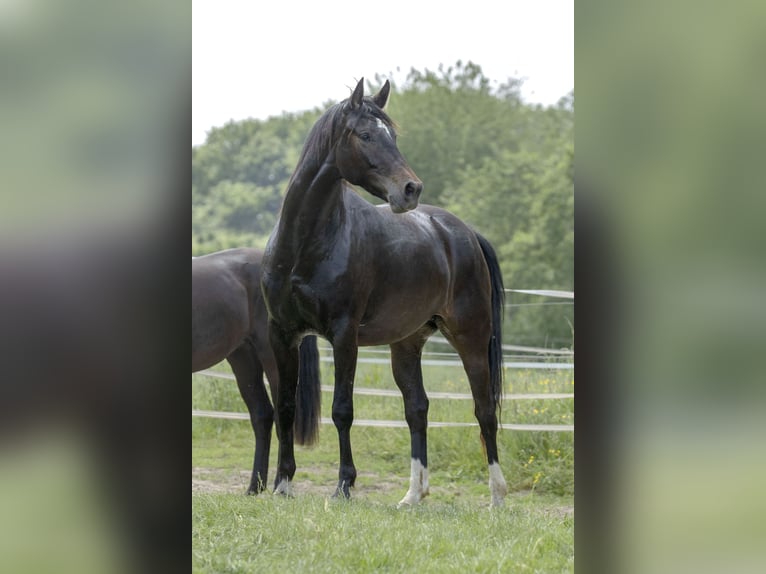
(382, 126)
(497, 487)
(418, 484)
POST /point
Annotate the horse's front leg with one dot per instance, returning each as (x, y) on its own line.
(345, 350)
(286, 355)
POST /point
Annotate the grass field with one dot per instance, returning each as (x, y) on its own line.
(453, 530)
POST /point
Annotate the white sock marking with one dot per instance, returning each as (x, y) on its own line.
(418, 484)
(497, 487)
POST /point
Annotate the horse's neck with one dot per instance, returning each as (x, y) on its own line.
(313, 202)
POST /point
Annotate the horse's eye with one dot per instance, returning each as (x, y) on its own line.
(364, 136)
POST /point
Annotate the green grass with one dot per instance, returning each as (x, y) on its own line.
(450, 531)
(315, 534)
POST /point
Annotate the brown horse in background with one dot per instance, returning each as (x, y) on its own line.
(229, 321)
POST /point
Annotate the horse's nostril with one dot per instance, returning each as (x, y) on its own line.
(413, 188)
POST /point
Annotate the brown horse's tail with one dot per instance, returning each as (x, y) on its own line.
(308, 407)
(498, 303)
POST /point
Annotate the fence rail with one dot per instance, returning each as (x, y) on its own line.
(434, 394)
(403, 424)
(457, 363)
(544, 292)
(395, 424)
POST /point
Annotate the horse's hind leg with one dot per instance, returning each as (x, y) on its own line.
(473, 350)
(249, 373)
(406, 366)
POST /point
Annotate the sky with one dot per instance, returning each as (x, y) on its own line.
(257, 59)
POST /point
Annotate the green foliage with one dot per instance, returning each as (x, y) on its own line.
(450, 122)
(238, 177)
(504, 166)
(231, 214)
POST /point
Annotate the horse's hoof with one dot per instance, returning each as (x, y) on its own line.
(255, 489)
(284, 494)
(414, 495)
(410, 499)
(285, 488)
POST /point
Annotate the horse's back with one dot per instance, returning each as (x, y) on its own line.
(425, 221)
(431, 235)
(227, 258)
(225, 292)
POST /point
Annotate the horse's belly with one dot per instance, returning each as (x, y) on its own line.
(392, 327)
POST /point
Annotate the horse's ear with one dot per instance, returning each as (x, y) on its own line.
(356, 98)
(381, 98)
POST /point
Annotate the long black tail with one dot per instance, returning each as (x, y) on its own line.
(498, 302)
(308, 407)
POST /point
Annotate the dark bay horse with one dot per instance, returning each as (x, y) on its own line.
(229, 321)
(361, 275)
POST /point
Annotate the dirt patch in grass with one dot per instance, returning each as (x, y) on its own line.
(215, 481)
(218, 481)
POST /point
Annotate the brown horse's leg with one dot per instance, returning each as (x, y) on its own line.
(405, 363)
(472, 346)
(286, 355)
(265, 355)
(249, 373)
(345, 351)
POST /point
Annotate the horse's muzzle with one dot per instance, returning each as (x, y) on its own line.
(408, 199)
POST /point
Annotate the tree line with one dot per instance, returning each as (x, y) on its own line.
(504, 166)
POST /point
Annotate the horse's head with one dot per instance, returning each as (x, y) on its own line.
(366, 154)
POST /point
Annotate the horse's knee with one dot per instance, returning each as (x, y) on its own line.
(342, 416)
(486, 413)
(342, 412)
